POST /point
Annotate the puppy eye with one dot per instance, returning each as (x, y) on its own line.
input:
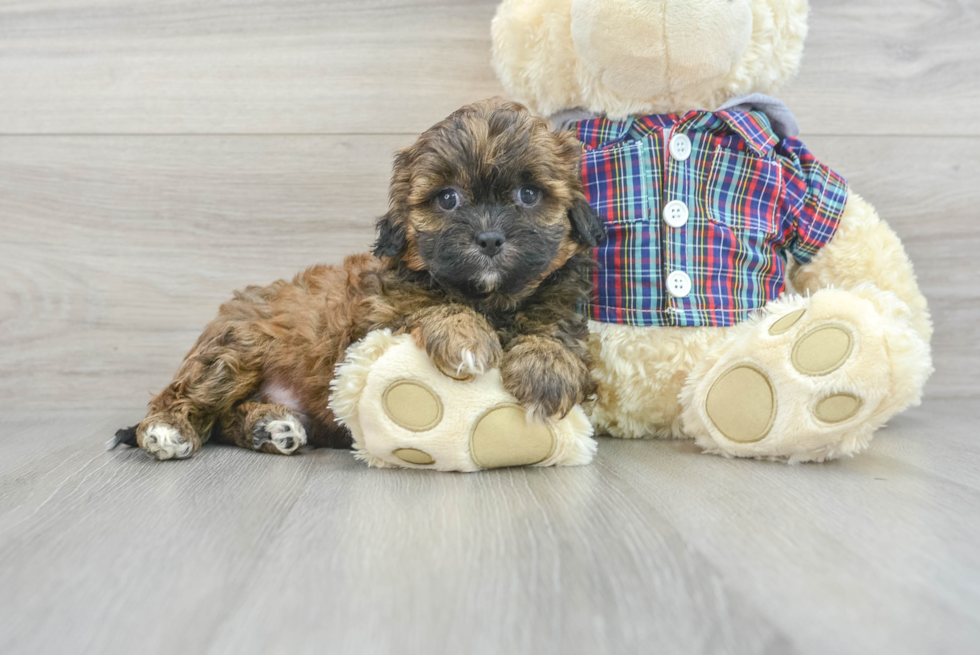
(447, 199)
(528, 196)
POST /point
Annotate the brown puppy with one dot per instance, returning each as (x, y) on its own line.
(482, 257)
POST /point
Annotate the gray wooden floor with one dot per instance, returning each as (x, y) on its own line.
(156, 155)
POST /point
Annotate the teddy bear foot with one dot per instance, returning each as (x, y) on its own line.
(402, 412)
(500, 436)
(742, 404)
(810, 380)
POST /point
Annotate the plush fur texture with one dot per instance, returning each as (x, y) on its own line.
(624, 57)
(470, 302)
(640, 373)
(866, 248)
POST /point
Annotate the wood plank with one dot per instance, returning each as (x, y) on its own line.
(30, 435)
(241, 552)
(296, 66)
(871, 546)
(883, 67)
(386, 66)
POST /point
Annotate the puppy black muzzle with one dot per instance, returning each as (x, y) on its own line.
(489, 248)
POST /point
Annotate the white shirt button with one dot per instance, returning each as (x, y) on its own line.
(676, 213)
(680, 147)
(678, 284)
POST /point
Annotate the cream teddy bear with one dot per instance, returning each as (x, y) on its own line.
(746, 297)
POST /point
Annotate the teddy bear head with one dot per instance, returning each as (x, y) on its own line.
(622, 57)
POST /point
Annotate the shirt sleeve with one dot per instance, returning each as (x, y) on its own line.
(813, 201)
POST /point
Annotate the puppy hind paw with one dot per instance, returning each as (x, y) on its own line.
(166, 442)
(282, 436)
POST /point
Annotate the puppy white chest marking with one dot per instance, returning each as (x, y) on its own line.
(277, 393)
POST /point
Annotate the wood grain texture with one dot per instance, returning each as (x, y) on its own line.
(291, 66)
(654, 546)
(117, 251)
(888, 67)
(388, 66)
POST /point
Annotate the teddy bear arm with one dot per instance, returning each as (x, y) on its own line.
(865, 250)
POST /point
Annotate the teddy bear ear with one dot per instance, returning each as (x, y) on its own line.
(586, 224)
(611, 56)
(533, 54)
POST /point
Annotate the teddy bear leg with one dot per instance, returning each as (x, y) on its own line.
(809, 379)
(865, 249)
(403, 412)
(640, 372)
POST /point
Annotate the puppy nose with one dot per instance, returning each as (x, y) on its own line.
(490, 242)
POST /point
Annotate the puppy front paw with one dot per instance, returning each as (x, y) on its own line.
(545, 377)
(462, 346)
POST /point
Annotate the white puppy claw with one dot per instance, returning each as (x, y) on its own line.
(287, 435)
(165, 442)
(469, 365)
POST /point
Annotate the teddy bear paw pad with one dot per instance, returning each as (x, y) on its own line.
(403, 412)
(413, 456)
(742, 405)
(837, 408)
(413, 406)
(504, 437)
(822, 350)
(786, 322)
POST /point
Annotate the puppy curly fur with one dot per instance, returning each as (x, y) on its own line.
(471, 306)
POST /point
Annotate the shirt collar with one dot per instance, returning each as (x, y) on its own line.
(753, 127)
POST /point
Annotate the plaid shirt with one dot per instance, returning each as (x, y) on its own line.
(752, 199)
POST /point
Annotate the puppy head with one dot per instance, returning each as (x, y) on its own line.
(489, 202)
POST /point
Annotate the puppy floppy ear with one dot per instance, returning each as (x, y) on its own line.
(391, 236)
(586, 224)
